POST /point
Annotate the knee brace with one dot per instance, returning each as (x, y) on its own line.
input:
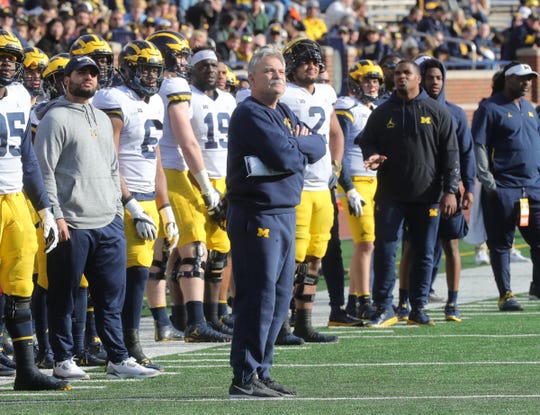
(301, 279)
(214, 266)
(198, 265)
(18, 317)
(157, 276)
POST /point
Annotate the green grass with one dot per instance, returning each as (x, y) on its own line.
(488, 364)
(485, 365)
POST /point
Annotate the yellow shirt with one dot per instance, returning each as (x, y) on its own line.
(315, 28)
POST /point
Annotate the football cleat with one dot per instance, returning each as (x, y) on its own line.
(383, 317)
(167, 333)
(509, 303)
(340, 318)
(402, 311)
(201, 333)
(451, 313)
(37, 381)
(419, 318)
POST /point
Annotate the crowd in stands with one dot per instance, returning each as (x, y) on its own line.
(237, 27)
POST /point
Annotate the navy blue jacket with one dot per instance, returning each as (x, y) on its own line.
(467, 162)
(266, 133)
(511, 139)
(420, 144)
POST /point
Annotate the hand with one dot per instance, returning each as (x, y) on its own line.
(169, 225)
(448, 205)
(219, 213)
(146, 228)
(212, 199)
(468, 200)
(50, 230)
(336, 170)
(355, 202)
(374, 161)
(301, 130)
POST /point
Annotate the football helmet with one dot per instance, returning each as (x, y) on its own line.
(231, 81)
(53, 75)
(136, 63)
(11, 45)
(100, 51)
(300, 51)
(34, 60)
(172, 45)
(362, 70)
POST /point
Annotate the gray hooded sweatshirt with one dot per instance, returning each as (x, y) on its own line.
(75, 149)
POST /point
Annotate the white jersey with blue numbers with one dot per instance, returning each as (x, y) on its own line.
(14, 117)
(314, 110)
(143, 127)
(172, 91)
(210, 122)
(355, 115)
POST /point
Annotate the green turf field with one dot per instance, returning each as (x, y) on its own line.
(488, 364)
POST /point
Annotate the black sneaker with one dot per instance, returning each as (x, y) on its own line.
(88, 359)
(201, 333)
(278, 387)
(46, 361)
(7, 366)
(96, 348)
(253, 389)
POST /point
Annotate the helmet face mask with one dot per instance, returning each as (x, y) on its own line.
(175, 51)
(361, 72)
(302, 51)
(100, 51)
(141, 67)
(11, 58)
(35, 62)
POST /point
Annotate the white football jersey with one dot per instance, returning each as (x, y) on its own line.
(172, 90)
(357, 115)
(210, 123)
(143, 127)
(314, 110)
(15, 116)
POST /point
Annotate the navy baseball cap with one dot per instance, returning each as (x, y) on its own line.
(79, 62)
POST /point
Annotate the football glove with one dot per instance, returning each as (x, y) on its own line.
(336, 170)
(169, 225)
(50, 230)
(146, 228)
(355, 202)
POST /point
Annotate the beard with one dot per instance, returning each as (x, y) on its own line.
(81, 92)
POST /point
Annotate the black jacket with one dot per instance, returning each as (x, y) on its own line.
(420, 144)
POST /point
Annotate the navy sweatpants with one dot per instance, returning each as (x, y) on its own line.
(101, 255)
(262, 252)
